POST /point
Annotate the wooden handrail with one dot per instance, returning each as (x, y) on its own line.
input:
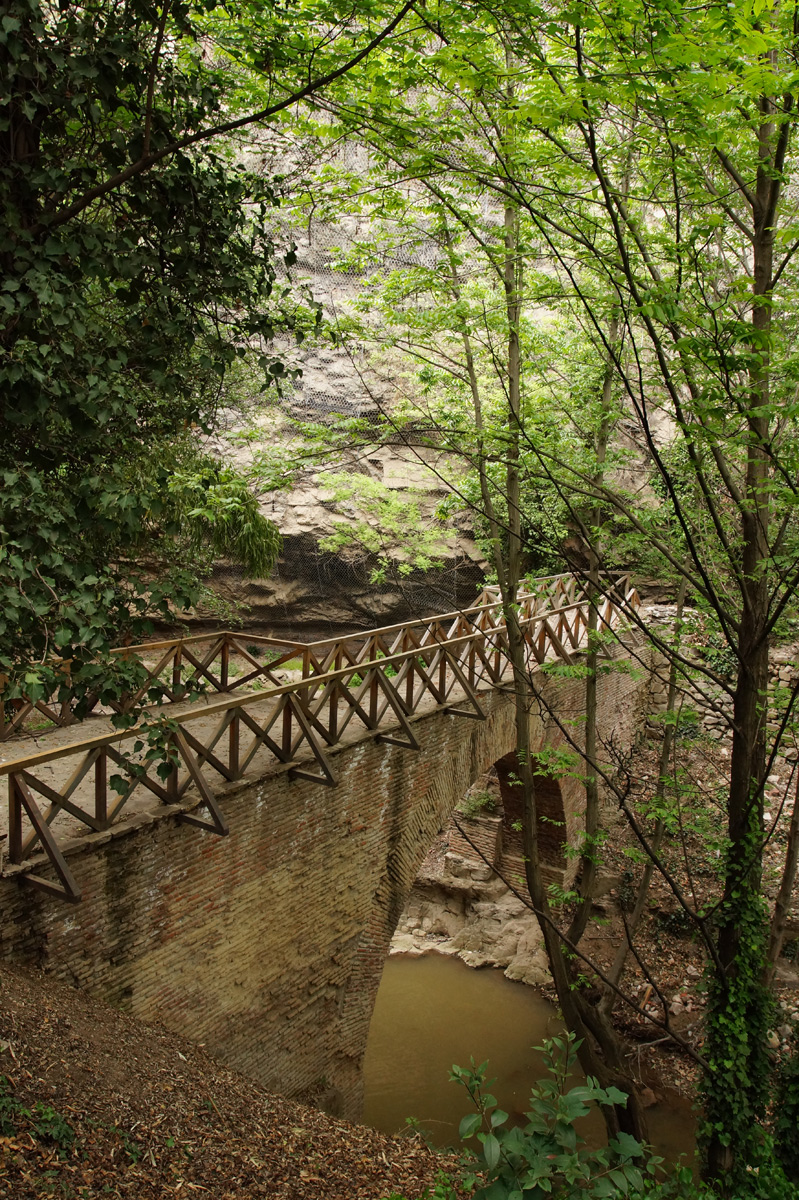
(187, 670)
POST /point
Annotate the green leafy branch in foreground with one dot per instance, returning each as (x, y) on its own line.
(547, 1159)
(547, 1156)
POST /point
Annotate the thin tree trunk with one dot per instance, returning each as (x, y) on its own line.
(609, 997)
(588, 866)
(738, 1008)
(494, 529)
(599, 1052)
(782, 905)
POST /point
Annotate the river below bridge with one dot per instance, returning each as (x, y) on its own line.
(434, 1011)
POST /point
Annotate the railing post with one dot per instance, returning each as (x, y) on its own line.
(224, 664)
(14, 821)
(101, 787)
(233, 745)
(373, 695)
(287, 728)
(177, 670)
(332, 719)
(172, 778)
(409, 677)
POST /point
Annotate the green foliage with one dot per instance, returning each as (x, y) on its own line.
(442, 1190)
(474, 804)
(384, 522)
(128, 290)
(736, 1084)
(133, 1149)
(547, 1157)
(627, 148)
(217, 512)
(786, 1144)
(155, 746)
(41, 1121)
(50, 1126)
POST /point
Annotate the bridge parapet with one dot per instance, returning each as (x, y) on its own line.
(372, 683)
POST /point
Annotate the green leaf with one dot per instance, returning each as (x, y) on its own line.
(469, 1125)
(491, 1150)
(628, 1145)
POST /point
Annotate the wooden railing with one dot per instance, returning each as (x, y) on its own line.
(173, 670)
(372, 683)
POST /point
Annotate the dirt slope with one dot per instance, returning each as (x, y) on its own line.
(95, 1103)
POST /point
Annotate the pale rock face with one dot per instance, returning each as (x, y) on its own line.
(313, 593)
(529, 964)
(464, 909)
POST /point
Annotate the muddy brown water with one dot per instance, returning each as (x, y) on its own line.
(434, 1011)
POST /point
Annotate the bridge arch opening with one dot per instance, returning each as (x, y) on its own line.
(551, 813)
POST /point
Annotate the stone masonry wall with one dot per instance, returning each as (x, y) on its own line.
(268, 945)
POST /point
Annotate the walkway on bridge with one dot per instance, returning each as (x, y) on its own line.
(214, 710)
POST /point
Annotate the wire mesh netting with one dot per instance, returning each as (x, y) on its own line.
(313, 594)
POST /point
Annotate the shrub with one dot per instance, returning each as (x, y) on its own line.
(547, 1157)
(475, 803)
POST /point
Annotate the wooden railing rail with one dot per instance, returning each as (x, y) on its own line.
(226, 661)
(375, 687)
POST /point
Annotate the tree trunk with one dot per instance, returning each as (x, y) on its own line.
(588, 866)
(617, 968)
(782, 905)
(738, 1013)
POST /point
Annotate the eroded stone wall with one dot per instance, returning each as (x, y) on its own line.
(268, 945)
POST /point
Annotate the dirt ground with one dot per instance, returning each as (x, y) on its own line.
(94, 1103)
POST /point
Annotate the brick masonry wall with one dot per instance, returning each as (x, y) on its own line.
(268, 945)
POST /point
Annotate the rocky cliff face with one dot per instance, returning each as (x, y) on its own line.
(315, 593)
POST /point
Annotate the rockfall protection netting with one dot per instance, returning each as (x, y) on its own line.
(313, 592)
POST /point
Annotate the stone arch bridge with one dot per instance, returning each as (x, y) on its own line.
(313, 778)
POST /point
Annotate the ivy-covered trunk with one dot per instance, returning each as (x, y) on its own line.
(736, 1083)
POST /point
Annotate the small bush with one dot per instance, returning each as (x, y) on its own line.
(476, 803)
(41, 1122)
(50, 1126)
(547, 1157)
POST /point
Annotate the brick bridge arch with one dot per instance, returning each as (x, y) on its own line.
(269, 945)
(552, 798)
